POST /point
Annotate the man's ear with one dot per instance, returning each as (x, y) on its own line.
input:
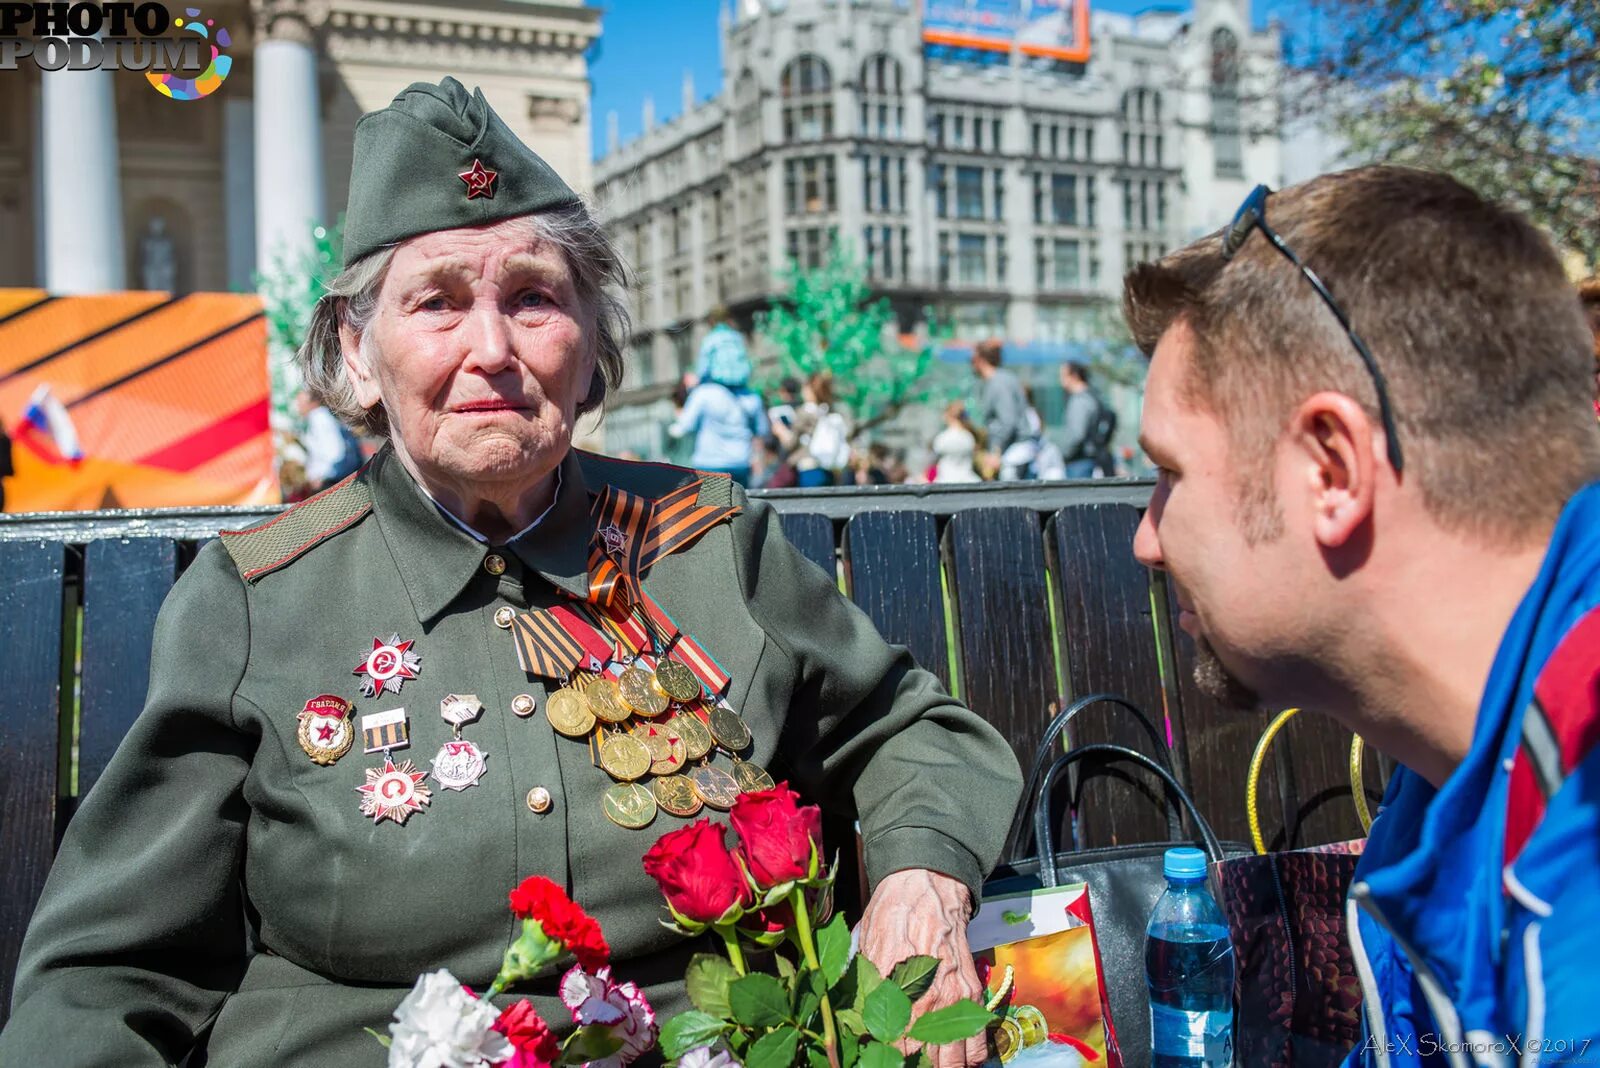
(362, 378)
(1332, 440)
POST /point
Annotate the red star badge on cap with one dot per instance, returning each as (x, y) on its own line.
(480, 180)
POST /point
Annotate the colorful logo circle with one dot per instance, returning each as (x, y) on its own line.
(210, 79)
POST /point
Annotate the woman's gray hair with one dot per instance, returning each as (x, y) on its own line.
(599, 276)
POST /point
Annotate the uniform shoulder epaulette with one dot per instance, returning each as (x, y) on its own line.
(262, 549)
(650, 479)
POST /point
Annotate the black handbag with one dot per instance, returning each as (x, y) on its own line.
(1124, 881)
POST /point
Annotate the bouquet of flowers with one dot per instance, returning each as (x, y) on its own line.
(821, 1007)
(443, 1024)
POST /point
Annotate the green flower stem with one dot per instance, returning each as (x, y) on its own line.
(808, 946)
(730, 938)
(497, 987)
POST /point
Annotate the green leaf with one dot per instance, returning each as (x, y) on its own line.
(915, 975)
(849, 1052)
(593, 1043)
(850, 1021)
(775, 1050)
(817, 1057)
(833, 948)
(953, 1023)
(385, 1040)
(877, 1055)
(810, 998)
(784, 964)
(887, 1012)
(687, 1031)
(759, 1000)
(707, 980)
(867, 979)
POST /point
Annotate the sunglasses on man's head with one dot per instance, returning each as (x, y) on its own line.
(1251, 216)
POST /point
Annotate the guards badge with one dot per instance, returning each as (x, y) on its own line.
(325, 732)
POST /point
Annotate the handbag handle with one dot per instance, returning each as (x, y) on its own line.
(1041, 813)
(1017, 837)
(1252, 786)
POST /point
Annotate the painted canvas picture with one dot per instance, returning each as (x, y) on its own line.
(1036, 952)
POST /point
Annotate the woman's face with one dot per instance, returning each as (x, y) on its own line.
(479, 353)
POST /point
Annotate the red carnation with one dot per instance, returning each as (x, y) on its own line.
(696, 872)
(561, 919)
(535, 1044)
(777, 834)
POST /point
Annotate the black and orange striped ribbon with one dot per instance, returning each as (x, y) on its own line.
(545, 642)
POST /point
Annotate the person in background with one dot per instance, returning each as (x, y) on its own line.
(956, 447)
(782, 415)
(6, 470)
(869, 466)
(722, 412)
(822, 449)
(332, 450)
(1079, 420)
(1002, 407)
(1589, 294)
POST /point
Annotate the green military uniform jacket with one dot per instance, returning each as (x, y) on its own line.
(220, 888)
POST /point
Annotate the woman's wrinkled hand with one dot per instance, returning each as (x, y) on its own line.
(921, 912)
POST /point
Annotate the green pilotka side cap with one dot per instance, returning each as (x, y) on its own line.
(438, 158)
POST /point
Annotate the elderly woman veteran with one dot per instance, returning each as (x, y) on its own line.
(235, 884)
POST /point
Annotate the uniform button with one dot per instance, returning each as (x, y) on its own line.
(539, 801)
(522, 704)
(503, 616)
(495, 564)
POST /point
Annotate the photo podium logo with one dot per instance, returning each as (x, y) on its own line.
(170, 51)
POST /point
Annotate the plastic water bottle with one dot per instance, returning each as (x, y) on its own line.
(1188, 961)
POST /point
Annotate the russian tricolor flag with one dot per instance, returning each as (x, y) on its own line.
(47, 429)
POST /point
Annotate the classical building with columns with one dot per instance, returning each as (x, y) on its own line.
(106, 184)
(1009, 189)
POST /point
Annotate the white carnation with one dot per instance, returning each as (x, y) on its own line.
(440, 1025)
(715, 1056)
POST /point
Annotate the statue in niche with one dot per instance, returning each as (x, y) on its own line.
(158, 257)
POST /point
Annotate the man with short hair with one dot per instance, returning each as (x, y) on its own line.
(1002, 405)
(1348, 511)
(1079, 419)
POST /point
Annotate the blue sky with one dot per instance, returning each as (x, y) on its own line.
(647, 45)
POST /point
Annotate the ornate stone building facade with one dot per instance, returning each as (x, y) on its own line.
(106, 184)
(1009, 194)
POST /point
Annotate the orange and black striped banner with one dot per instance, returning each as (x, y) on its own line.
(545, 646)
(633, 532)
(676, 522)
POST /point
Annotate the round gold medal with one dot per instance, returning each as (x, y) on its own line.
(654, 737)
(751, 777)
(605, 701)
(697, 740)
(675, 759)
(715, 786)
(676, 681)
(639, 692)
(624, 757)
(729, 730)
(569, 713)
(676, 794)
(627, 804)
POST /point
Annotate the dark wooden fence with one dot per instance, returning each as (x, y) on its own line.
(1019, 597)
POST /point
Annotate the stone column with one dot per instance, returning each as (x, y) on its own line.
(84, 250)
(239, 190)
(288, 142)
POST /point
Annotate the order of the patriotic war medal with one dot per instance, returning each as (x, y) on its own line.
(388, 665)
(569, 713)
(729, 729)
(715, 786)
(458, 765)
(627, 804)
(675, 681)
(393, 792)
(325, 732)
(676, 795)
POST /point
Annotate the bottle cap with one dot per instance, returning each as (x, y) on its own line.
(1184, 862)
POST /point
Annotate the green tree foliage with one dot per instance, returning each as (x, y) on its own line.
(1500, 93)
(828, 321)
(289, 290)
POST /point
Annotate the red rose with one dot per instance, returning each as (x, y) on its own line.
(561, 919)
(534, 1043)
(777, 834)
(696, 872)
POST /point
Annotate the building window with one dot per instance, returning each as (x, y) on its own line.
(900, 170)
(944, 258)
(1038, 139)
(1001, 260)
(808, 246)
(1225, 122)
(1065, 255)
(969, 192)
(972, 252)
(809, 186)
(1038, 198)
(1064, 199)
(1089, 202)
(936, 130)
(806, 86)
(941, 203)
(995, 139)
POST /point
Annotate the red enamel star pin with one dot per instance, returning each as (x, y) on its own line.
(480, 180)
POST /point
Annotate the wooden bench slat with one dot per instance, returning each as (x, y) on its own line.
(32, 591)
(812, 534)
(124, 582)
(994, 558)
(1109, 642)
(891, 565)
